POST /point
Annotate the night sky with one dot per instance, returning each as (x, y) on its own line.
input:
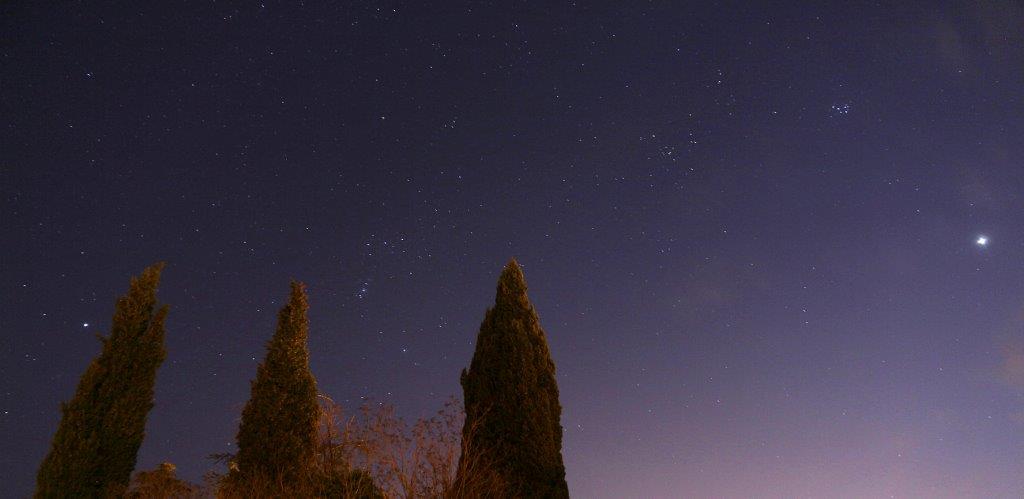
(752, 233)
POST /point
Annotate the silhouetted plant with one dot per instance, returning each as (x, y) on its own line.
(162, 483)
(511, 397)
(94, 450)
(278, 432)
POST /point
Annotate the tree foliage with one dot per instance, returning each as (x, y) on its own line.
(511, 397)
(277, 436)
(94, 450)
(162, 483)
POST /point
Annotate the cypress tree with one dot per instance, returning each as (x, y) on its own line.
(101, 428)
(278, 432)
(511, 397)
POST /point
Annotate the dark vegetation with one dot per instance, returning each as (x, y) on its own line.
(101, 428)
(277, 435)
(294, 442)
(511, 396)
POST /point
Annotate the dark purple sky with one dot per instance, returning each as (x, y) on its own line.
(750, 232)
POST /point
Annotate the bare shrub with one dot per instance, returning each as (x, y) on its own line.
(405, 461)
(372, 453)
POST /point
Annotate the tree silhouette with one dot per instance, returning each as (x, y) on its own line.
(101, 428)
(278, 433)
(511, 397)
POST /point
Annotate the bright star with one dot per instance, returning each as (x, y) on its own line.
(85, 324)
(982, 241)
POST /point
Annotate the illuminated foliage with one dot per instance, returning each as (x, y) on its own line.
(277, 436)
(161, 483)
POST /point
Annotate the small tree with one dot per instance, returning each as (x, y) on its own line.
(511, 398)
(278, 433)
(101, 428)
(161, 483)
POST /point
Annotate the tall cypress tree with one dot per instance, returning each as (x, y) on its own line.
(277, 435)
(511, 397)
(94, 450)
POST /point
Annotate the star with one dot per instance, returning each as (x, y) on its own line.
(982, 241)
(85, 324)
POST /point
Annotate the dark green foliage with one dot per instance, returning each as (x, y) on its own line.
(101, 428)
(511, 397)
(278, 432)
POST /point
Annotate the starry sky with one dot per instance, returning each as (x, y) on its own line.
(751, 230)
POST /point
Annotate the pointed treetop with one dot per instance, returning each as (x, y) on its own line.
(134, 309)
(145, 283)
(153, 270)
(296, 303)
(512, 287)
(148, 279)
(292, 317)
(512, 266)
(298, 293)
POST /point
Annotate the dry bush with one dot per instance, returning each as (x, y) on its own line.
(161, 483)
(417, 461)
(353, 486)
(372, 453)
(339, 481)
